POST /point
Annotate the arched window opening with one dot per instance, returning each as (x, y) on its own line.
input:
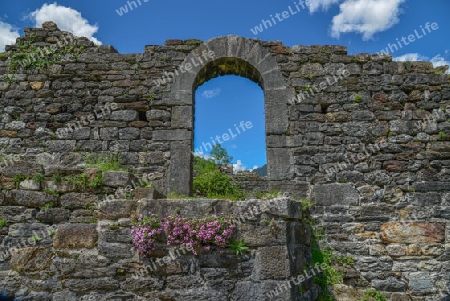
(229, 116)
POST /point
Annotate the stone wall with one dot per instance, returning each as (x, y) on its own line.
(251, 182)
(363, 137)
(90, 256)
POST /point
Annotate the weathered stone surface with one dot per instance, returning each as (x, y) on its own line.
(171, 135)
(124, 115)
(21, 168)
(116, 250)
(147, 193)
(116, 209)
(31, 259)
(362, 137)
(91, 285)
(53, 215)
(32, 198)
(336, 194)
(16, 214)
(75, 236)
(78, 200)
(418, 233)
(390, 284)
(273, 263)
(118, 178)
(36, 85)
(421, 281)
(60, 187)
(30, 185)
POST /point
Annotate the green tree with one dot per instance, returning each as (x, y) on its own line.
(220, 154)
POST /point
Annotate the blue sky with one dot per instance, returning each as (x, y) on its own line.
(362, 25)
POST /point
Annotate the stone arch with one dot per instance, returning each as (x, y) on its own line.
(243, 57)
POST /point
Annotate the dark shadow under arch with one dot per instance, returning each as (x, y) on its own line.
(227, 66)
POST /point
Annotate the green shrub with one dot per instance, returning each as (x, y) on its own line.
(82, 181)
(36, 238)
(19, 178)
(96, 182)
(358, 98)
(215, 184)
(47, 206)
(372, 294)
(3, 222)
(240, 246)
(103, 162)
(114, 226)
(203, 166)
(38, 177)
(57, 178)
(51, 192)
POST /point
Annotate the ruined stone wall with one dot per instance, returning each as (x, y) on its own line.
(94, 258)
(363, 137)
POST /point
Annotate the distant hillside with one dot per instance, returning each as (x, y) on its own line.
(261, 171)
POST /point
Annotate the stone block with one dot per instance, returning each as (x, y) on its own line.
(32, 198)
(116, 250)
(31, 259)
(421, 281)
(61, 146)
(412, 233)
(15, 214)
(53, 215)
(391, 284)
(129, 134)
(116, 209)
(171, 135)
(272, 263)
(30, 185)
(74, 236)
(396, 250)
(109, 133)
(147, 193)
(118, 178)
(21, 168)
(182, 117)
(180, 162)
(279, 167)
(92, 285)
(124, 115)
(78, 200)
(335, 194)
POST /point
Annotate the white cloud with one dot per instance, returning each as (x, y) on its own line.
(316, 5)
(211, 93)
(8, 35)
(67, 19)
(437, 60)
(410, 57)
(238, 166)
(366, 17)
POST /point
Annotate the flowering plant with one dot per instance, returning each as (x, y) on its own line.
(144, 230)
(205, 232)
(274, 227)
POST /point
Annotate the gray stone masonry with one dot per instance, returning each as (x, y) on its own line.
(365, 138)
